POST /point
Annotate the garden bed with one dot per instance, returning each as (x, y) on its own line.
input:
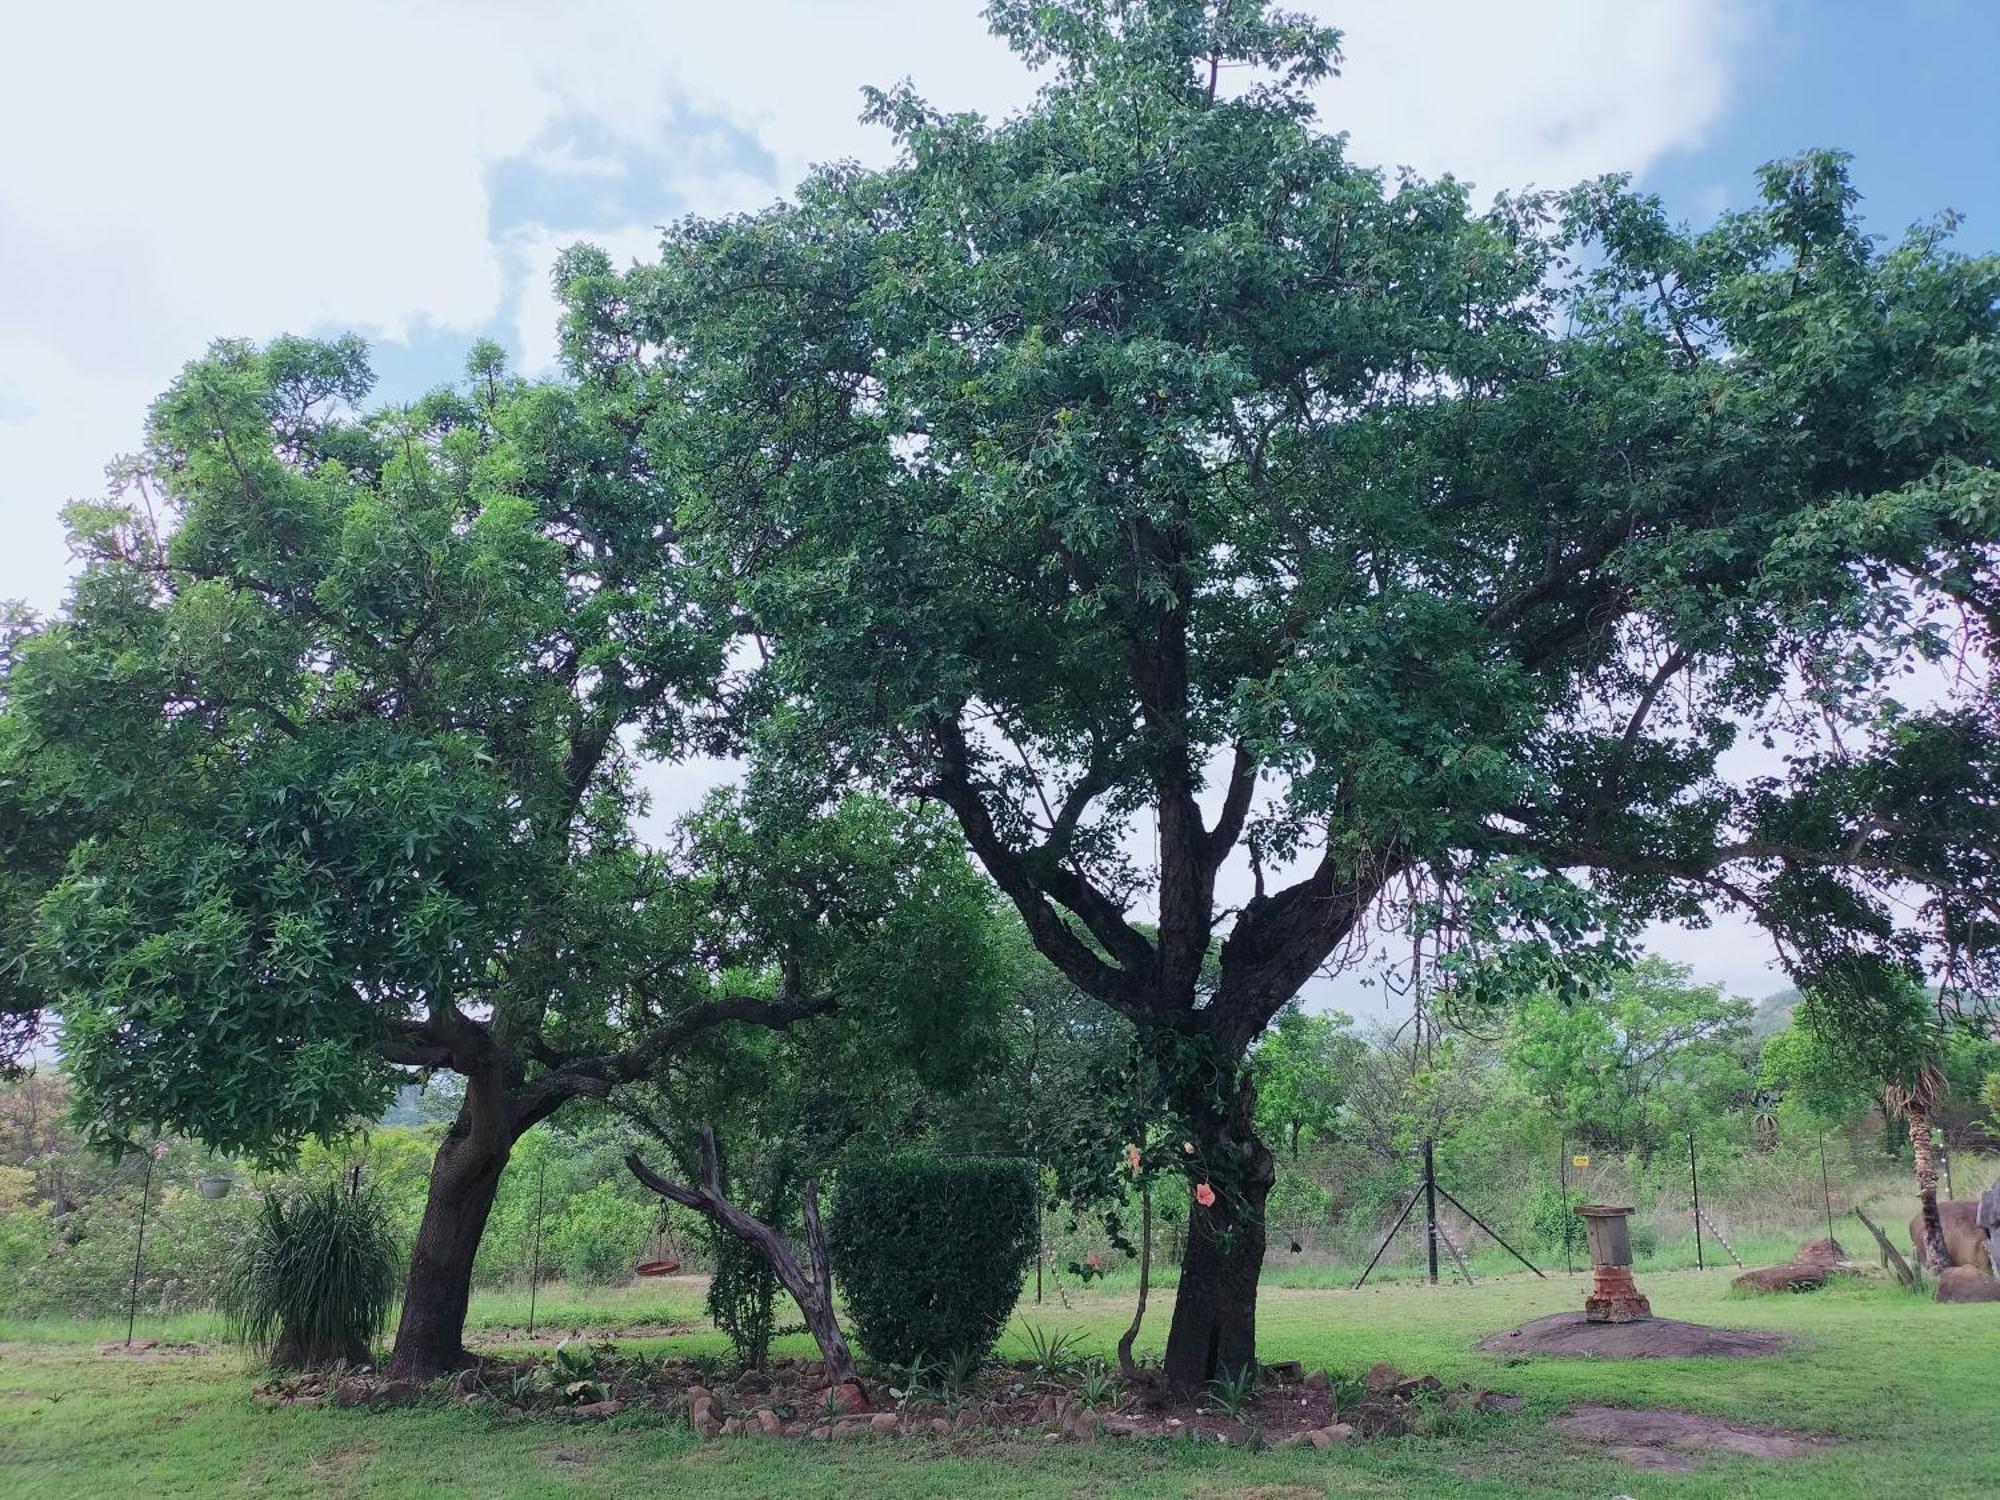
(793, 1398)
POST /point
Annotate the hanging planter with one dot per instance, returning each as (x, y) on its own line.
(215, 1187)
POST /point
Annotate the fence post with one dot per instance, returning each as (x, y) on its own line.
(535, 1275)
(1562, 1186)
(1825, 1189)
(1694, 1177)
(1431, 1209)
(139, 1246)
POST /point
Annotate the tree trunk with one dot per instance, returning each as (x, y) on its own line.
(1935, 1257)
(1214, 1329)
(810, 1284)
(1127, 1366)
(465, 1179)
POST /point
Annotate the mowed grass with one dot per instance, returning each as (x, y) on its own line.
(1912, 1389)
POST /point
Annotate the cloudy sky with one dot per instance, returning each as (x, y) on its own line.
(174, 173)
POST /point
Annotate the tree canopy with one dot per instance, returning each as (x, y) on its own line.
(1636, 1062)
(344, 717)
(1142, 459)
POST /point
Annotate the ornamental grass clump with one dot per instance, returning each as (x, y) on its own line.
(314, 1283)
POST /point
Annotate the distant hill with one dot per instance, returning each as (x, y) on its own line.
(1773, 1013)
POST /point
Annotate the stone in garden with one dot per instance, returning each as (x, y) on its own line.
(597, 1409)
(1819, 1252)
(884, 1422)
(1799, 1276)
(849, 1396)
(768, 1423)
(733, 1427)
(1317, 1381)
(941, 1426)
(1285, 1369)
(1967, 1284)
(1382, 1376)
(820, 1434)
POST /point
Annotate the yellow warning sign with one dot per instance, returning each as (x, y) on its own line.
(1579, 1161)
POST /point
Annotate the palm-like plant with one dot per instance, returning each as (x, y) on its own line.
(314, 1283)
(1915, 1099)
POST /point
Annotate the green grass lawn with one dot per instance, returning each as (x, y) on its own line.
(1912, 1389)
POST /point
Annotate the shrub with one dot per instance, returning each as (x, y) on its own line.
(930, 1252)
(1553, 1220)
(314, 1282)
(1296, 1202)
(597, 1235)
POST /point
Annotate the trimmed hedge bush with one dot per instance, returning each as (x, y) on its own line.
(930, 1252)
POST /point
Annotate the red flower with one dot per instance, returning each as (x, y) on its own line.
(1204, 1195)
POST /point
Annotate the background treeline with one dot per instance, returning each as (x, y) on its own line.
(1623, 1080)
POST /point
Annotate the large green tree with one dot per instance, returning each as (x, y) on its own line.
(344, 715)
(1208, 522)
(1646, 1056)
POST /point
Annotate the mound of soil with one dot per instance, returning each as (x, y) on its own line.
(1569, 1335)
(1662, 1437)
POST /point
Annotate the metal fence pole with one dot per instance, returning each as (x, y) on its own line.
(1562, 1180)
(1431, 1208)
(535, 1275)
(1694, 1177)
(139, 1246)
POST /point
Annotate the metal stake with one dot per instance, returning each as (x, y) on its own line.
(1431, 1209)
(139, 1247)
(1562, 1180)
(1694, 1176)
(535, 1275)
(1490, 1230)
(1825, 1191)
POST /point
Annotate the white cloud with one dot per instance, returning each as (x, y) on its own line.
(169, 174)
(175, 173)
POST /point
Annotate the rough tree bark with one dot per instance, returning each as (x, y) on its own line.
(465, 1179)
(1214, 1328)
(500, 1107)
(1127, 1365)
(1935, 1257)
(810, 1285)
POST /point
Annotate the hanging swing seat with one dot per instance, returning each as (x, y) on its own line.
(665, 1267)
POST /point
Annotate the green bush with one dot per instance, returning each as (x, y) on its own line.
(314, 1282)
(1552, 1219)
(1296, 1203)
(930, 1252)
(597, 1235)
